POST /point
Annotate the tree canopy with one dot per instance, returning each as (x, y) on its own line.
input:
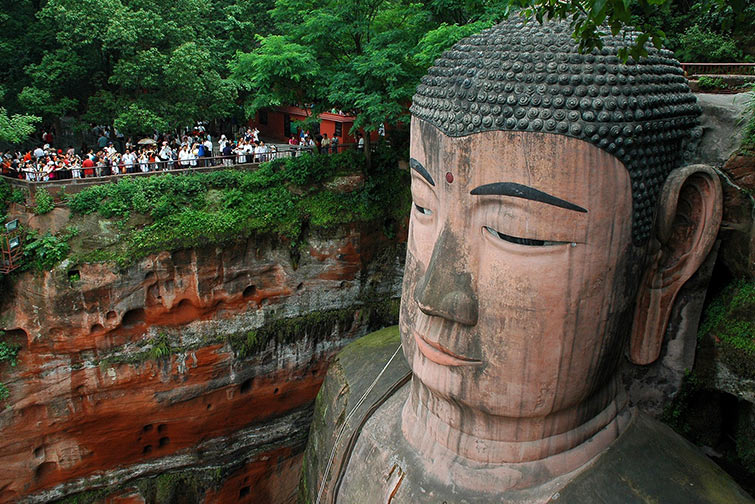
(144, 64)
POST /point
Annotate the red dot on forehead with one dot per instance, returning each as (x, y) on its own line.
(449, 177)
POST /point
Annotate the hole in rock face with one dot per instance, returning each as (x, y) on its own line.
(244, 491)
(275, 391)
(111, 315)
(39, 451)
(44, 469)
(74, 275)
(133, 317)
(163, 441)
(209, 406)
(300, 286)
(250, 291)
(96, 328)
(246, 386)
(147, 449)
(147, 428)
(15, 333)
(149, 276)
(161, 427)
(342, 285)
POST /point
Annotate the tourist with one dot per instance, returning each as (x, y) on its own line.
(325, 144)
(228, 154)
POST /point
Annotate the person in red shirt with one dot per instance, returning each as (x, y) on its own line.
(88, 166)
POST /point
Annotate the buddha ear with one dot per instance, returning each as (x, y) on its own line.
(689, 215)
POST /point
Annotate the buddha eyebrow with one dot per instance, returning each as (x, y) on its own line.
(417, 166)
(525, 192)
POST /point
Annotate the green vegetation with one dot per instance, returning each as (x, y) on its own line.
(9, 195)
(706, 82)
(149, 65)
(43, 253)
(703, 44)
(154, 349)
(730, 320)
(698, 413)
(43, 202)
(185, 486)
(281, 198)
(9, 354)
(318, 325)
(17, 127)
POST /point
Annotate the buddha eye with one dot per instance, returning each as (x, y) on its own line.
(524, 241)
(423, 210)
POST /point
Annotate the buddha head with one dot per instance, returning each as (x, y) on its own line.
(553, 221)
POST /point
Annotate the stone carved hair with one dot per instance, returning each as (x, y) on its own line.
(531, 77)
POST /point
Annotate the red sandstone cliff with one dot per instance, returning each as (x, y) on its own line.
(200, 366)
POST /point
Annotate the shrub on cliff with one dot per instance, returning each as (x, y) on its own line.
(730, 320)
(43, 253)
(43, 202)
(9, 195)
(9, 354)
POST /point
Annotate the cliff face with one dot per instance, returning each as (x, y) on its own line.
(199, 365)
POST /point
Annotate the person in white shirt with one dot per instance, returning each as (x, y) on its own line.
(249, 149)
(208, 149)
(165, 153)
(183, 156)
(240, 151)
(129, 158)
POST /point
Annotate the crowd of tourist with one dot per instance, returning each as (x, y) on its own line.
(114, 155)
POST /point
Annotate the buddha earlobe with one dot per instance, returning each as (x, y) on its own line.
(689, 215)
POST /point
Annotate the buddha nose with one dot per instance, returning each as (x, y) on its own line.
(446, 288)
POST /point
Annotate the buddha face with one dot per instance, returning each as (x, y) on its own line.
(520, 274)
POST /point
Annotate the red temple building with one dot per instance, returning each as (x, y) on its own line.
(275, 123)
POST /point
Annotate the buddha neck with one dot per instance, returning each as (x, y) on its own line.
(562, 441)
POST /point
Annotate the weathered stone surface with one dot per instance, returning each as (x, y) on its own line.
(205, 359)
(738, 226)
(652, 387)
(340, 408)
(722, 123)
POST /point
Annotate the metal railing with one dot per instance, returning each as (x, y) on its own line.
(66, 180)
(79, 173)
(718, 68)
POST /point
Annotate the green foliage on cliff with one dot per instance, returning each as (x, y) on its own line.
(43, 202)
(9, 195)
(9, 354)
(280, 198)
(730, 320)
(43, 253)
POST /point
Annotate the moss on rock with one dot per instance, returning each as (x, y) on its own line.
(730, 321)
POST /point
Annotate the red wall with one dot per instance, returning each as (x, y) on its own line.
(274, 127)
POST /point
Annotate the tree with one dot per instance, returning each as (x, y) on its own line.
(137, 64)
(16, 128)
(362, 57)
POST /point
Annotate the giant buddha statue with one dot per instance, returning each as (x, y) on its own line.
(554, 220)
